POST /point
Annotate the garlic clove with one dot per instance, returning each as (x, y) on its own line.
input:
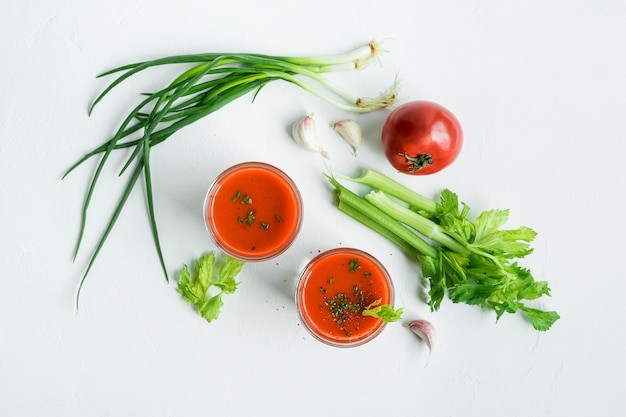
(304, 132)
(425, 330)
(351, 132)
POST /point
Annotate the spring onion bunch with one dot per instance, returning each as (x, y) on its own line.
(209, 82)
(473, 261)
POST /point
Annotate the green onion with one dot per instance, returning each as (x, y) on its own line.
(209, 82)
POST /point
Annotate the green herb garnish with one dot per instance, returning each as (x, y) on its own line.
(384, 312)
(353, 265)
(250, 218)
(340, 305)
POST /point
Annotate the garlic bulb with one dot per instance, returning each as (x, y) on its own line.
(304, 132)
(351, 132)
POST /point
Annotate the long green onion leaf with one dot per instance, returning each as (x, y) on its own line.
(116, 213)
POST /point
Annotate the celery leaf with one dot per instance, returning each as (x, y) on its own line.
(541, 320)
(227, 273)
(204, 270)
(491, 277)
(189, 288)
(194, 287)
(210, 308)
(385, 312)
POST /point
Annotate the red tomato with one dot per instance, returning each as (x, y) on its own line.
(421, 137)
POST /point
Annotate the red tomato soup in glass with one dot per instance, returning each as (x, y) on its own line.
(253, 211)
(335, 288)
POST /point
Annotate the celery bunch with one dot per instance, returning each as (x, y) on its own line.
(473, 261)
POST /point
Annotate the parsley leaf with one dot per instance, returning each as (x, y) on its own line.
(194, 288)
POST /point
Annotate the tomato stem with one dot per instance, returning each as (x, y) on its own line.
(418, 161)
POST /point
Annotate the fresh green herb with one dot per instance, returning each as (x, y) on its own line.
(384, 311)
(367, 274)
(211, 81)
(194, 288)
(236, 196)
(353, 265)
(250, 218)
(340, 305)
(359, 294)
(278, 219)
(331, 280)
(473, 261)
(246, 200)
(265, 226)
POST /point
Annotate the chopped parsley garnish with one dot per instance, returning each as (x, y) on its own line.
(339, 305)
(353, 265)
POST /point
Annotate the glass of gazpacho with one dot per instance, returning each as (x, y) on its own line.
(253, 211)
(333, 290)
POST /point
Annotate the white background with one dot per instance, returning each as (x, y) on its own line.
(540, 88)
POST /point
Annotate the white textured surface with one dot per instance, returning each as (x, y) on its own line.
(540, 88)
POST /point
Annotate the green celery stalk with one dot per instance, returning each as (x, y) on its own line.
(379, 221)
(420, 223)
(346, 208)
(381, 182)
